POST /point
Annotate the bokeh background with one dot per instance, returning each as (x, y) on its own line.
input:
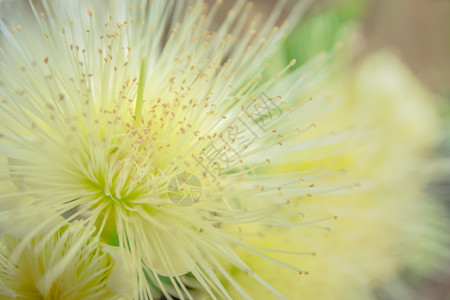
(418, 32)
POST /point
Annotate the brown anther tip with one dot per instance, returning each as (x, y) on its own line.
(335, 217)
(201, 230)
(46, 59)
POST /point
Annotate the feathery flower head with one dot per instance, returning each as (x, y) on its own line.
(119, 114)
(68, 264)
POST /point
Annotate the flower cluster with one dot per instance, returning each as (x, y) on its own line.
(145, 152)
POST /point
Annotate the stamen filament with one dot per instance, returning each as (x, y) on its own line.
(140, 94)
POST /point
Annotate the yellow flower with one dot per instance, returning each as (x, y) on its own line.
(391, 224)
(68, 264)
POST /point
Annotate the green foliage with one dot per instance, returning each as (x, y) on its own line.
(321, 29)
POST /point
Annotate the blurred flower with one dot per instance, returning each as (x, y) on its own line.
(66, 265)
(388, 130)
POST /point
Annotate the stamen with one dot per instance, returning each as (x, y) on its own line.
(140, 94)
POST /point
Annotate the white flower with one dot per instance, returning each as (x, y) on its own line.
(157, 128)
(68, 264)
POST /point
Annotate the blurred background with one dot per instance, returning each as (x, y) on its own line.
(418, 33)
(418, 30)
